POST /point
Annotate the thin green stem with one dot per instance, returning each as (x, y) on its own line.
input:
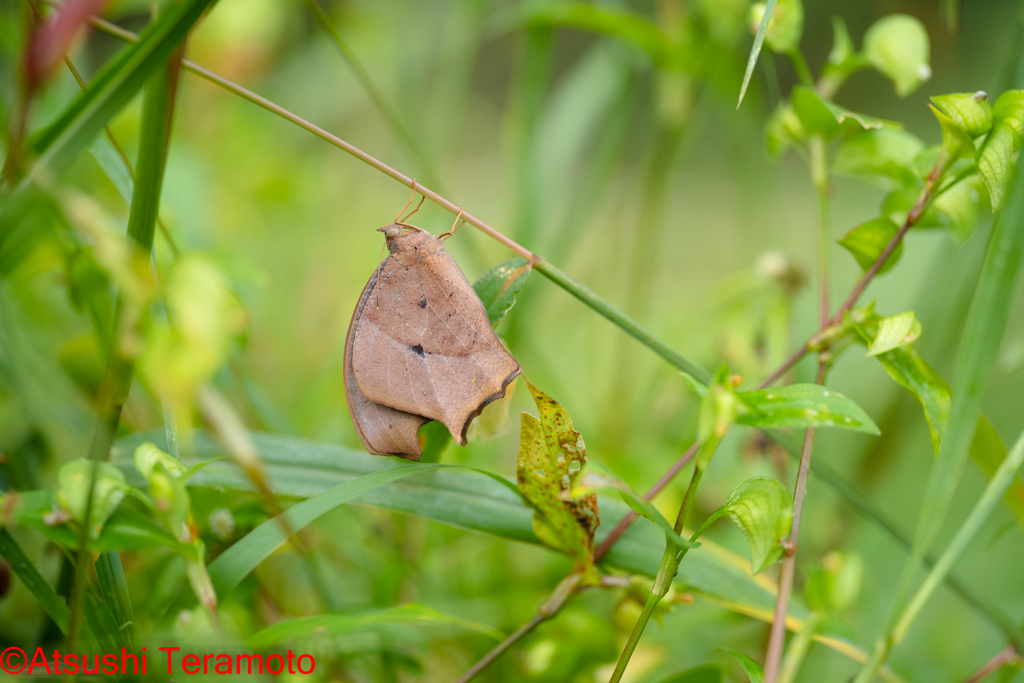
(666, 572)
(600, 305)
(798, 649)
(158, 108)
(800, 64)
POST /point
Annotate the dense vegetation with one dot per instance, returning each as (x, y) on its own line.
(760, 342)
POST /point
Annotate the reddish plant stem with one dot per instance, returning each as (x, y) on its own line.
(858, 290)
(777, 636)
(624, 523)
(1005, 657)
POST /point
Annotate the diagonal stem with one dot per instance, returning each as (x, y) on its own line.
(1007, 656)
(596, 302)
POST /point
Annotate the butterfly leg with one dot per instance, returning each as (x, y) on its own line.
(398, 218)
(455, 226)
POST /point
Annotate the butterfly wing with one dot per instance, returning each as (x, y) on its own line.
(382, 429)
(427, 347)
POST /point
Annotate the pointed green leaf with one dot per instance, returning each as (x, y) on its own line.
(753, 669)
(897, 46)
(956, 143)
(956, 209)
(911, 372)
(823, 117)
(551, 455)
(971, 112)
(988, 452)
(785, 25)
(113, 87)
(330, 625)
(868, 240)
(596, 478)
(881, 156)
(499, 286)
(800, 406)
(763, 510)
(895, 331)
(755, 50)
(995, 160)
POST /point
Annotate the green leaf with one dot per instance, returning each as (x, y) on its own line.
(708, 673)
(763, 510)
(551, 455)
(995, 160)
(113, 87)
(113, 167)
(785, 25)
(956, 144)
(881, 156)
(596, 478)
(988, 452)
(800, 406)
(755, 49)
(912, 373)
(235, 563)
(463, 500)
(753, 669)
(895, 331)
(499, 286)
(114, 587)
(832, 586)
(983, 332)
(33, 580)
(148, 457)
(331, 625)
(868, 240)
(897, 46)
(971, 112)
(782, 129)
(823, 117)
(73, 480)
(956, 209)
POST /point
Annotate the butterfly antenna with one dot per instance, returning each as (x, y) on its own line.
(455, 226)
(398, 218)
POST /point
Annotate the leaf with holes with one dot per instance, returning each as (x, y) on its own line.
(800, 406)
(551, 455)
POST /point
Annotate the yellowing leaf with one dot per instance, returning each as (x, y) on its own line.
(894, 331)
(551, 455)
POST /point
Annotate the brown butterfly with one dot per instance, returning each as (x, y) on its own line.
(420, 347)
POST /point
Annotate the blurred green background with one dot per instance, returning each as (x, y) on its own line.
(644, 183)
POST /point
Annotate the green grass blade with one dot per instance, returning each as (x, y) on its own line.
(52, 604)
(968, 531)
(755, 49)
(330, 625)
(237, 561)
(113, 87)
(115, 593)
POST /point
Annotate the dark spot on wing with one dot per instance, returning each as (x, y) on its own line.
(418, 350)
(423, 303)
